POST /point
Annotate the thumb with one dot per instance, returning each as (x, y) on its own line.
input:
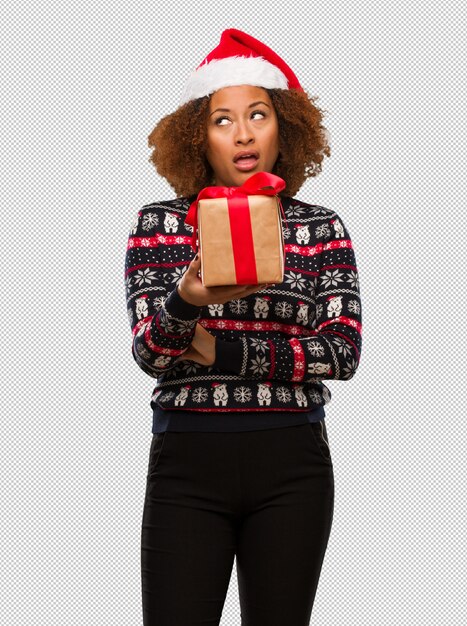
(196, 259)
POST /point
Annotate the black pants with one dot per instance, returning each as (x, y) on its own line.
(265, 497)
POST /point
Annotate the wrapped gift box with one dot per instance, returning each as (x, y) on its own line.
(241, 240)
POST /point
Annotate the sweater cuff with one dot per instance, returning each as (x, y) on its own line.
(229, 355)
(176, 306)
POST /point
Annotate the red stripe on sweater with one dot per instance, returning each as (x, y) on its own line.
(143, 265)
(304, 250)
(158, 240)
(272, 356)
(338, 243)
(298, 361)
(298, 270)
(319, 248)
(342, 319)
(170, 240)
(341, 266)
(260, 325)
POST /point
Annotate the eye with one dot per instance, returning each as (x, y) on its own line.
(224, 117)
(221, 118)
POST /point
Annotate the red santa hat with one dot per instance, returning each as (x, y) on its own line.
(239, 59)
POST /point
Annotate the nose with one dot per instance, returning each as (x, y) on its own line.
(244, 134)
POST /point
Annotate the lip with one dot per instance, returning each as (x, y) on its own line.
(243, 152)
(245, 165)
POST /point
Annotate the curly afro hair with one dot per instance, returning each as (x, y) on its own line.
(180, 140)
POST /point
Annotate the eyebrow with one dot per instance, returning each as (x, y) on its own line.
(253, 104)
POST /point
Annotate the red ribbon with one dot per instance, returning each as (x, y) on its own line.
(261, 183)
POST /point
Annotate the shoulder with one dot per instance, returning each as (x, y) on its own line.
(326, 223)
(299, 208)
(313, 217)
(163, 214)
(162, 206)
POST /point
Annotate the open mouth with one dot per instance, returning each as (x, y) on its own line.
(246, 162)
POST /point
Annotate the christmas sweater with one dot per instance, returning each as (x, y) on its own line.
(273, 348)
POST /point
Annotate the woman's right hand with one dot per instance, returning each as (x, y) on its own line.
(191, 288)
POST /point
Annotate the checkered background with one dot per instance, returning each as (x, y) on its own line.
(83, 85)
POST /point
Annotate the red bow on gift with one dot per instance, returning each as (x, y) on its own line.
(261, 183)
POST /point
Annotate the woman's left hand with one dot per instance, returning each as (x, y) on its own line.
(202, 349)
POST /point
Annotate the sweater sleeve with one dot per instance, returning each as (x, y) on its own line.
(162, 322)
(333, 352)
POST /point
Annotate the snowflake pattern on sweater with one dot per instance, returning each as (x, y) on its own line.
(274, 347)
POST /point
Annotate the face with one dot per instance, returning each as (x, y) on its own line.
(241, 119)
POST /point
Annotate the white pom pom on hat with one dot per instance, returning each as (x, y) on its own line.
(239, 59)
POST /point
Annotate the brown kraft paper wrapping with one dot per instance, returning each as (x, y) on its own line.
(215, 241)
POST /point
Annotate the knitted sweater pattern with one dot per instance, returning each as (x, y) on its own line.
(274, 347)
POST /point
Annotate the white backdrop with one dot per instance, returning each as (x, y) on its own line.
(82, 87)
